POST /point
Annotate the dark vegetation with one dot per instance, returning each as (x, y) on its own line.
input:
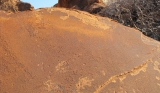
(141, 14)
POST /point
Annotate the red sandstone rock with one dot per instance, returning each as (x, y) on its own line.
(63, 51)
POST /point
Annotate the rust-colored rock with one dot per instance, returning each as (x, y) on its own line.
(62, 51)
(15, 5)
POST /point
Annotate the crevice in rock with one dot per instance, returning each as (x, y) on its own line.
(122, 76)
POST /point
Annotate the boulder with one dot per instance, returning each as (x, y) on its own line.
(55, 50)
(14, 5)
(92, 6)
(22, 6)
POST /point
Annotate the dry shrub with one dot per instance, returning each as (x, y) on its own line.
(141, 14)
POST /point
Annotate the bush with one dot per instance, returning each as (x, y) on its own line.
(141, 14)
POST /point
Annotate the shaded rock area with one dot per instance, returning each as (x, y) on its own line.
(56, 50)
(91, 6)
(15, 5)
(22, 6)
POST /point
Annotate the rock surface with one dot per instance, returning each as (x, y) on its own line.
(143, 15)
(64, 51)
(91, 6)
(15, 5)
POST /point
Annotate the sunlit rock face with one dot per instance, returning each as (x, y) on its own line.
(14, 5)
(57, 50)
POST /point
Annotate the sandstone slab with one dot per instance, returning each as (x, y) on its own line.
(68, 51)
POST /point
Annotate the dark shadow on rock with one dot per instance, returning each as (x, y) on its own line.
(91, 6)
(22, 6)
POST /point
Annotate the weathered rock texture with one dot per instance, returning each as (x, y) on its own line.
(143, 15)
(14, 5)
(63, 51)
